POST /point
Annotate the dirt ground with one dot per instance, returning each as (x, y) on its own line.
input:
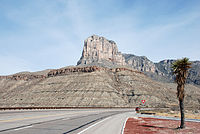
(142, 125)
(175, 114)
(189, 116)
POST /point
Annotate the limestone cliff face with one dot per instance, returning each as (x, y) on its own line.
(193, 75)
(140, 63)
(100, 50)
(97, 86)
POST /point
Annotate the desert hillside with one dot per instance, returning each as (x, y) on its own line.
(91, 87)
(103, 77)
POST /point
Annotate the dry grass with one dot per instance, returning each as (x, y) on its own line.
(189, 116)
(175, 114)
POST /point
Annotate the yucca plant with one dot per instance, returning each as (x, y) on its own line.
(180, 70)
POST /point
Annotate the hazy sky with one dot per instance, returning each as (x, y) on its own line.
(45, 34)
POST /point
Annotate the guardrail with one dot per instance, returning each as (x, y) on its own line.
(30, 108)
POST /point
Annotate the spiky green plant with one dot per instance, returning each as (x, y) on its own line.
(180, 70)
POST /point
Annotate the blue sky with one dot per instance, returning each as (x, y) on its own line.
(46, 34)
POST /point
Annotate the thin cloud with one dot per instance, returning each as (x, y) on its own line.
(50, 34)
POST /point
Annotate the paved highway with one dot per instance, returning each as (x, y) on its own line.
(66, 121)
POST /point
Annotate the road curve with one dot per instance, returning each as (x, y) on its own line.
(111, 125)
(71, 121)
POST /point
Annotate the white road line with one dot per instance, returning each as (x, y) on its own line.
(93, 125)
(23, 127)
(66, 119)
(122, 132)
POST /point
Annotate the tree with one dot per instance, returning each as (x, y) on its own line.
(180, 70)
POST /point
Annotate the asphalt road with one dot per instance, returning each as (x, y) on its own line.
(70, 121)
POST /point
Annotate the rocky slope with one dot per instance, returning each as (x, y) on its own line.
(91, 87)
(103, 52)
(116, 80)
(193, 75)
(140, 63)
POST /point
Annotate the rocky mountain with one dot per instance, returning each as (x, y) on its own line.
(104, 77)
(140, 63)
(99, 50)
(193, 75)
(103, 52)
(165, 67)
(91, 86)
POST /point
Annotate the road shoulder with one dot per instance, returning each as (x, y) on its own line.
(111, 125)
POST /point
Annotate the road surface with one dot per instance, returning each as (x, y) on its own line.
(66, 121)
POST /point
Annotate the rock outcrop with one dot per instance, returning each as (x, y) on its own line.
(63, 71)
(103, 78)
(24, 77)
(193, 75)
(92, 87)
(100, 50)
(140, 63)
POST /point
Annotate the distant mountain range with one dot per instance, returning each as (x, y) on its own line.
(103, 52)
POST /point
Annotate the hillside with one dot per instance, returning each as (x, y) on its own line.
(103, 52)
(91, 87)
(104, 77)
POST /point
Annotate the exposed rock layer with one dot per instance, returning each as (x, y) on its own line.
(140, 63)
(63, 71)
(193, 76)
(99, 49)
(122, 84)
(92, 87)
(102, 52)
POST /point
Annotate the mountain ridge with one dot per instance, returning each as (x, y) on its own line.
(98, 81)
(160, 71)
(99, 51)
